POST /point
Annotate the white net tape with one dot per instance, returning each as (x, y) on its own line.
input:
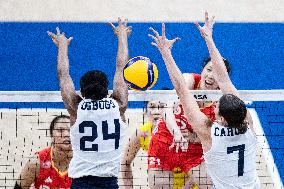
(163, 95)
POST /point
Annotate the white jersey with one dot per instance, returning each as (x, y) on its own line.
(97, 139)
(231, 161)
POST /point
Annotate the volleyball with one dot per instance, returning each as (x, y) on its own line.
(140, 73)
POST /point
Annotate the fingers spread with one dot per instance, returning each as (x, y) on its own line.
(152, 37)
(125, 21)
(154, 44)
(197, 25)
(55, 41)
(154, 31)
(212, 21)
(176, 39)
(57, 31)
(129, 29)
(163, 30)
(50, 34)
(206, 16)
(112, 25)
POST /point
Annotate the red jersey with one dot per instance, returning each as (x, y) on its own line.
(49, 176)
(161, 133)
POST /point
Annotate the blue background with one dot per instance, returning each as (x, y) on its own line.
(255, 50)
(28, 56)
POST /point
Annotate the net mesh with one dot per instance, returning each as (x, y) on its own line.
(25, 130)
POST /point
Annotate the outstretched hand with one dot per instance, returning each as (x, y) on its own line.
(179, 142)
(59, 38)
(121, 27)
(207, 29)
(161, 42)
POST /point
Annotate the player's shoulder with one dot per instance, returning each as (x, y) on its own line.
(192, 80)
(44, 156)
(191, 75)
(44, 152)
(33, 163)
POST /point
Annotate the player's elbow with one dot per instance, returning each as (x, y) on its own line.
(121, 60)
(62, 74)
(125, 165)
(123, 107)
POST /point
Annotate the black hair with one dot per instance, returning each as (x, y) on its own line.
(56, 120)
(234, 112)
(17, 186)
(227, 64)
(94, 85)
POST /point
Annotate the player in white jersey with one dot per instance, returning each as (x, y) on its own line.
(229, 143)
(98, 122)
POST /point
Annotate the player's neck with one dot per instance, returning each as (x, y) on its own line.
(204, 104)
(154, 122)
(61, 155)
(60, 160)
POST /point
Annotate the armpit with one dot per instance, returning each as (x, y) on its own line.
(208, 122)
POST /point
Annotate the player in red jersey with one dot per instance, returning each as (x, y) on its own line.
(48, 169)
(161, 159)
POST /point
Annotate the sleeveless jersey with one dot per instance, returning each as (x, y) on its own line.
(97, 139)
(49, 177)
(162, 133)
(231, 161)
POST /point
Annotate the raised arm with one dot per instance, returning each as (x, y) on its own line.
(195, 117)
(131, 149)
(218, 66)
(28, 174)
(120, 90)
(69, 96)
(219, 69)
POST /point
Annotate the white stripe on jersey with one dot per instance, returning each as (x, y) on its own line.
(97, 139)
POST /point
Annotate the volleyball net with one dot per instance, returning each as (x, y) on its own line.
(25, 117)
